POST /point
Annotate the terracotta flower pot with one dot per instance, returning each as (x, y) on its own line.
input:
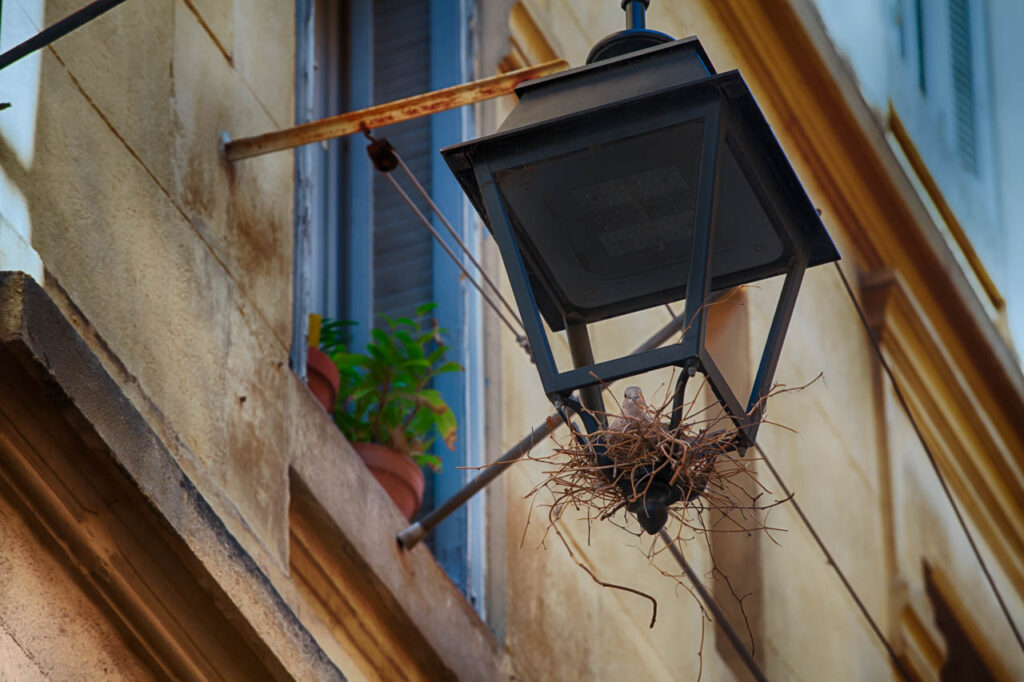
(322, 377)
(400, 477)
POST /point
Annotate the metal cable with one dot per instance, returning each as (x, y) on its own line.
(931, 457)
(458, 240)
(832, 562)
(58, 30)
(715, 609)
(520, 338)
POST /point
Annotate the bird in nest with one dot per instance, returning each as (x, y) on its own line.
(634, 410)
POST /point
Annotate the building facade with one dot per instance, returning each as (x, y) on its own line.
(174, 504)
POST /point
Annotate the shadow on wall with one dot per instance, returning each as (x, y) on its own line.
(19, 86)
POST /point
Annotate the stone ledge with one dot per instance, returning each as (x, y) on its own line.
(404, 597)
(352, 520)
(199, 573)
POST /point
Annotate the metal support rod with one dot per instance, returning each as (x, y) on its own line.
(409, 537)
(715, 609)
(583, 356)
(412, 535)
(388, 113)
(635, 13)
(58, 30)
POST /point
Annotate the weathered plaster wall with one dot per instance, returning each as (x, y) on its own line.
(49, 628)
(181, 264)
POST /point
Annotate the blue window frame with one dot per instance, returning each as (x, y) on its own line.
(367, 252)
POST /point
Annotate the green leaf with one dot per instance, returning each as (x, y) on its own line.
(363, 392)
(425, 308)
(424, 460)
(447, 427)
(422, 421)
(432, 399)
(448, 367)
(347, 360)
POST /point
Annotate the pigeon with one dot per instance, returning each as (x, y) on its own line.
(634, 409)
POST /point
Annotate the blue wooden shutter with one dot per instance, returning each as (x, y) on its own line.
(402, 272)
(963, 84)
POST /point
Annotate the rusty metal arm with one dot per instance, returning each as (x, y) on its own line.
(388, 113)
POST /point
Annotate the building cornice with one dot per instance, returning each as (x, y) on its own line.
(971, 452)
(958, 372)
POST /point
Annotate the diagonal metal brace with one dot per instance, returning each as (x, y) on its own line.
(413, 534)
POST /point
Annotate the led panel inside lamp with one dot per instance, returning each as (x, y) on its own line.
(610, 225)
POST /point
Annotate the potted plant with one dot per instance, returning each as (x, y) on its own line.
(387, 408)
(322, 375)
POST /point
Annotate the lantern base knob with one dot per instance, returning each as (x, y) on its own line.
(624, 42)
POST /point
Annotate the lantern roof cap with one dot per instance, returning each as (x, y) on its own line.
(610, 80)
(631, 112)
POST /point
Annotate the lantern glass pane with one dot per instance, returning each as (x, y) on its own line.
(608, 228)
(606, 223)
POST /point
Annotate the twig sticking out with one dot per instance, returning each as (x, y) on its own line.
(701, 458)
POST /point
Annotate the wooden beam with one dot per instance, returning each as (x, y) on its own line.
(388, 113)
(935, 194)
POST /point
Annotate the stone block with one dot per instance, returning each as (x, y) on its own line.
(264, 54)
(244, 211)
(162, 301)
(121, 61)
(218, 17)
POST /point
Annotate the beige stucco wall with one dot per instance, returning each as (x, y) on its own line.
(857, 469)
(49, 629)
(175, 269)
(179, 263)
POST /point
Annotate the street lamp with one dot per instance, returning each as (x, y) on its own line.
(641, 178)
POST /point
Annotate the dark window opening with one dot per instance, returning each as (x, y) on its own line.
(963, 662)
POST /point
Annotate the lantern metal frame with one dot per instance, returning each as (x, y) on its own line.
(731, 119)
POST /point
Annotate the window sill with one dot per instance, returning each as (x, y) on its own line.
(386, 608)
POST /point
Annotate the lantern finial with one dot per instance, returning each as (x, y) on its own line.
(635, 37)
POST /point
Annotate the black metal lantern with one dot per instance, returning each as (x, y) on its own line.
(641, 178)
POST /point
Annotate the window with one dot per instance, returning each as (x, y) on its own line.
(922, 76)
(939, 90)
(368, 254)
(963, 84)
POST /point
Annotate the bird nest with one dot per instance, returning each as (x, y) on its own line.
(714, 488)
(700, 458)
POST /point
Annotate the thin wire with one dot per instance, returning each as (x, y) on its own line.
(715, 609)
(408, 200)
(458, 240)
(931, 457)
(832, 562)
